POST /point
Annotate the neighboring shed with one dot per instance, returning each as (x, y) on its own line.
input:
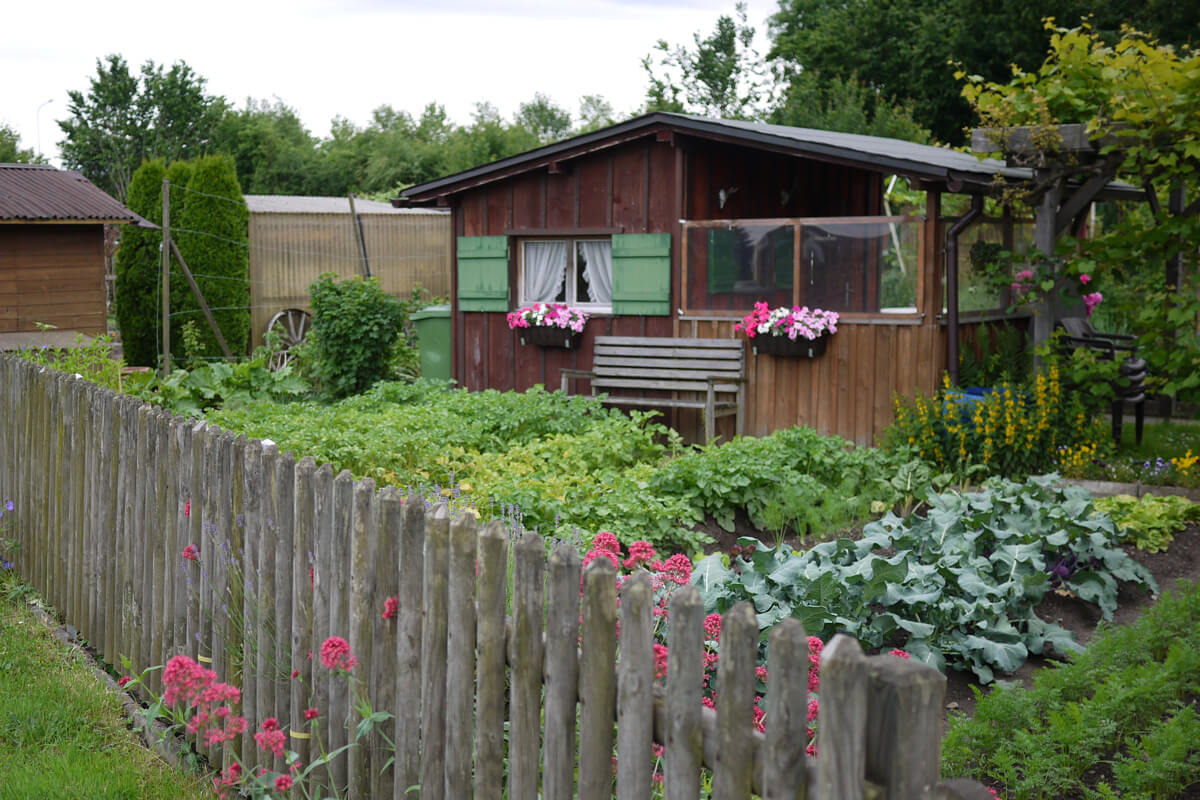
(674, 225)
(52, 257)
(293, 240)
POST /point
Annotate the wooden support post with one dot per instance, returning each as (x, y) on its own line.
(166, 277)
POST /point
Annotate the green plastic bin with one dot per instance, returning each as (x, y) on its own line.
(433, 339)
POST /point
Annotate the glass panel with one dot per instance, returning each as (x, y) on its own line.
(975, 292)
(731, 268)
(869, 266)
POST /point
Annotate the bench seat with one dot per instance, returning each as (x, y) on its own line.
(715, 369)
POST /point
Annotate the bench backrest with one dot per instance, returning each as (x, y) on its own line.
(678, 365)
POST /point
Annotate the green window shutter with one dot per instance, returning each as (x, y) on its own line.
(783, 260)
(641, 265)
(722, 260)
(483, 273)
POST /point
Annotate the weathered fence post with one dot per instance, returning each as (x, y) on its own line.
(841, 736)
(281, 660)
(490, 644)
(787, 712)
(561, 673)
(733, 772)
(433, 656)
(322, 584)
(383, 635)
(364, 550)
(904, 726)
(635, 690)
(460, 657)
(251, 525)
(685, 680)
(303, 560)
(339, 618)
(597, 680)
(525, 656)
(264, 601)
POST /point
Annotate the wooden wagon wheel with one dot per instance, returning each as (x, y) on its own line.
(292, 324)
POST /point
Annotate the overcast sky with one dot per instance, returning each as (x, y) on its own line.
(326, 58)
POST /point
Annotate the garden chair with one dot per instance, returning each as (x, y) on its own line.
(1078, 332)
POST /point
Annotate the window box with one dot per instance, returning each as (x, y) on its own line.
(550, 336)
(793, 348)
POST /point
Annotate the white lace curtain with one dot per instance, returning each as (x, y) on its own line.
(598, 270)
(545, 267)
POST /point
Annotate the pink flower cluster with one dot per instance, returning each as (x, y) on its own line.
(271, 738)
(665, 576)
(390, 607)
(797, 322)
(335, 654)
(209, 702)
(1091, 300)
(548, 315)
(191, 553)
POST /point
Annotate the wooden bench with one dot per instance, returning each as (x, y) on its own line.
(711, 367)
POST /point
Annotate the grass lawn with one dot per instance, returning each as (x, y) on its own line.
(62, 734)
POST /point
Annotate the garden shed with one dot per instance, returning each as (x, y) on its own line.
(52, 254)
(293, 240)
(670, 225)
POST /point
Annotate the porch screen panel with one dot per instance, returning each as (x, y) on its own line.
(732, 267)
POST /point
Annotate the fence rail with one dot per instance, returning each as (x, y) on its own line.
(491, 638)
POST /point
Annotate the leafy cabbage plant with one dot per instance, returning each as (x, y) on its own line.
(956, 586)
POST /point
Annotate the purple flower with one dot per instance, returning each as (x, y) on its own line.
(9, 505)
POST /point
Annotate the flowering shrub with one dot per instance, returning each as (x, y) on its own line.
(548, 315)
(794, 323)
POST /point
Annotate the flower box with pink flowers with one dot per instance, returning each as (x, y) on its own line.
(548, 324)
(797, 331)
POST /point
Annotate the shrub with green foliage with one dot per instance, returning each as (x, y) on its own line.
(354, 326)
(93, 360)
(138, 269)
(211, 231)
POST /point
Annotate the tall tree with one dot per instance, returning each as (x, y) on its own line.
(213, 238)
(904, 49)
(720, 75)
(849, 106)
(545, 120)
(11, 151)
(124, 119)
(272, 149)
(138, 267)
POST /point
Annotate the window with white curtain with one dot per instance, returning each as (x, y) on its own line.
(577, 272)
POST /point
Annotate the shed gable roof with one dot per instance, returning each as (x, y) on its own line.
(42, 193)
(958, 171)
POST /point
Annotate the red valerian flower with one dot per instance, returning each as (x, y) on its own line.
(191, 553)
(124, 679)
(283, 783)
(335, 654)
(310, 714)
(390, 606)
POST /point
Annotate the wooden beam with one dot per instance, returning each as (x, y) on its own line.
(1082, 197)
(212, 322)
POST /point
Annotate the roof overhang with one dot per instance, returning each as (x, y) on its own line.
(928, 166)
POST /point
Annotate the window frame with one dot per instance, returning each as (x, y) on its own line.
(571, 277)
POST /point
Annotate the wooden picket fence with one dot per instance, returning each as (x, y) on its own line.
(491, 641)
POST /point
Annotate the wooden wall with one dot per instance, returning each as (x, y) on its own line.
(52, 273)
(649, 185)
(290, 251)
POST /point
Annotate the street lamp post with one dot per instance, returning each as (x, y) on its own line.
(39, 125)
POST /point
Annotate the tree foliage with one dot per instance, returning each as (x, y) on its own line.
(138, 267)
(1141, 101)
(903, 50)
(124, 119)
(849, 106)
(211, 230)
(11, 151)
(720, 75)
